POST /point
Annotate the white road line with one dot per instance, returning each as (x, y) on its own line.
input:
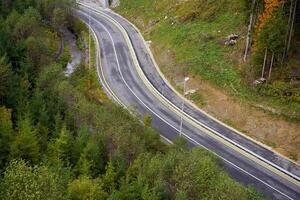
(200, 123)
(102, 82)
(215, 132)
(180, 95)
(191, 139)
(97, 51)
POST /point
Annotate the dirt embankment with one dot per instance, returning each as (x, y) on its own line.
(281, 135)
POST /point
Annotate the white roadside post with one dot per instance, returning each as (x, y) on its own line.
(184, 91)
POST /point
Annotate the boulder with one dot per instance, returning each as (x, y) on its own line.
(259, 81)
(231, 39)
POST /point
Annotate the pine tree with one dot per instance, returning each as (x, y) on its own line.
(25, 143)
(109, 178)
(5, 76)
(60, 148)
(85, 188)
(6, 132)
(83, 166)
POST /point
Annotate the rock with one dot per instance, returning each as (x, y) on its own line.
(192, 91)
(231, 39)
(259, 81)
(230, 42)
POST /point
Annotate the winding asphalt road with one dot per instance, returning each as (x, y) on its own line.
(130, 76)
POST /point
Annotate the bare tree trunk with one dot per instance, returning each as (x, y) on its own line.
(271, 66)
(249, 34)
(257, 11)
(292, 26)
(264, 65)
(288, 31)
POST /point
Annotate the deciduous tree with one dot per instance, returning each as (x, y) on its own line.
(22, 182)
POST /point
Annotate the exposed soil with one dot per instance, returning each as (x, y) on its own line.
(259, 124)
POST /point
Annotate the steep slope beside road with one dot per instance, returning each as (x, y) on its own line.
(194, 46)
(165, 89)
(157, 121)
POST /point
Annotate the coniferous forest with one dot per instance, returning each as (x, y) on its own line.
(62, 138)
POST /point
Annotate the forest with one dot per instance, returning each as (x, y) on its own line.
(62, 138)
(273, 33)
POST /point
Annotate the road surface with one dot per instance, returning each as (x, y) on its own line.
(129, 75)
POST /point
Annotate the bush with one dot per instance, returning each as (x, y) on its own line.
(280, 89)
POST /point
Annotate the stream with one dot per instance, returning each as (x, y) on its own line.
(76, 54)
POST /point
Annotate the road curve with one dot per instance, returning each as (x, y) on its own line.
(124, 83)
(155, 78)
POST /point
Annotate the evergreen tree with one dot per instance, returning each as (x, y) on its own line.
(109, 178)
(85, 188)
(83, 166)
(25, 143)
(60, 148)
(27, 25)
(5, 78)
(95, 153)
(6, 132)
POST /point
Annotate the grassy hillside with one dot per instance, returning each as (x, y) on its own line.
(188, 40)
(194, 31)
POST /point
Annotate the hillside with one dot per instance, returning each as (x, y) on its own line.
(188, 39)
(62, 138)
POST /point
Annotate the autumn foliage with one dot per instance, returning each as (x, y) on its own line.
(270, 7)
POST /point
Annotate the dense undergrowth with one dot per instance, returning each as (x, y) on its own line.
(62, 138)
(195, 30)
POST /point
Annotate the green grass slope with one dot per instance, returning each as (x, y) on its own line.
(194, 32)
